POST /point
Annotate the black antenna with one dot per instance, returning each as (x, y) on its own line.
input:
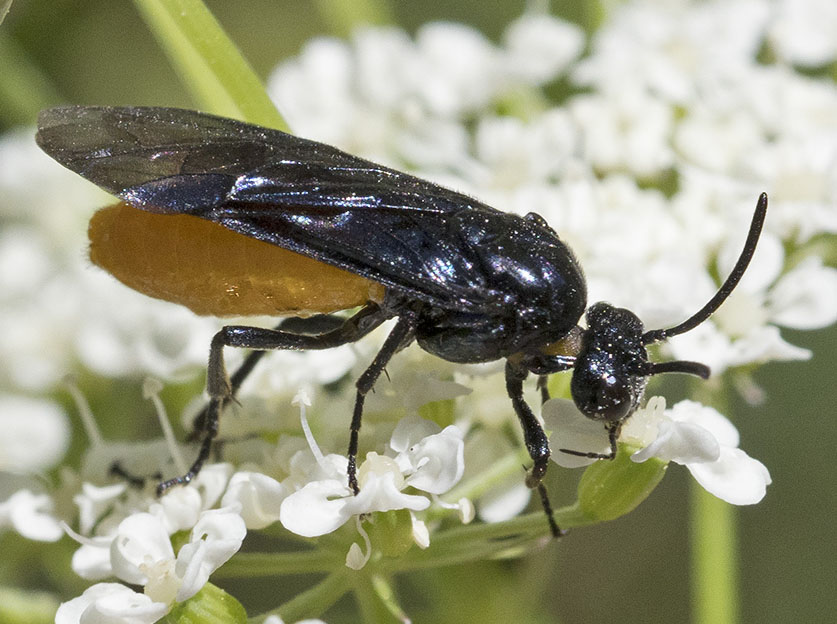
(656, 335)
(680, 366)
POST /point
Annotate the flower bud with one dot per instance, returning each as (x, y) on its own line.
(211, 605)
(610, 489)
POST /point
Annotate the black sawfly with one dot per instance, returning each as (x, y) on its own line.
(465, 281)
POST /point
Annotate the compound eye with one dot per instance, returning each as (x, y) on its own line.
(601, 396)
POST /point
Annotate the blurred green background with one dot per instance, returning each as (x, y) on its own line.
(632, 570)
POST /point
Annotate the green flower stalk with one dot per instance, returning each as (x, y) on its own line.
(644, 145)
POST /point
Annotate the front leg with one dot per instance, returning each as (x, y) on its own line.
(537, 443)
(534, 436)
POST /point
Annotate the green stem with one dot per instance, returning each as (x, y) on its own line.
(343, 16)
(453, 546)
(481, 542)
(249, 565)
(595, 13)
(24, 89)
(374, 608)
(313, 602)
(210, 64)
(5, 5)
(385, 592)
(714, 559)
(485, 481)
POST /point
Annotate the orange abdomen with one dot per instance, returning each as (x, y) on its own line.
(213, 270)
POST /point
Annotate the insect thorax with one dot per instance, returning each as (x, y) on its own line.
(531, 291)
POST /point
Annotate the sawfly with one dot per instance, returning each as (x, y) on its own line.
(232, 218)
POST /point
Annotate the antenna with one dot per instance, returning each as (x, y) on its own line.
(656, 335)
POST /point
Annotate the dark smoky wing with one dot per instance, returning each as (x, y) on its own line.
(400, 248)
(302, 195)
(120, 149)
(168, 159)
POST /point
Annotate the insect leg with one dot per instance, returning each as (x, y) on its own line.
(550, 515)
(533, 434)
(221, 387)
(543, 387)
(613, 431)
(544, 365)
(312, 325)
(534, 437)
(131, 479)
(400, 336)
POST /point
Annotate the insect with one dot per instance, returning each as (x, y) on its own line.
(465, 281)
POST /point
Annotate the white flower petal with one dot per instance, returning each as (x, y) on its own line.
(706, 343)
(736, 477)
(642, 428)
(178, 509)
(110, 603)
(92, 561)
(681, 442)
(260, 498)
(304, 467)
(141, 541)
(541, 46)
(36, 434)
(504, 501)
(570, 429)
(764, 344)
(211, 482)
(805, 298)
(456, 60)
(216, 537)
(803, 32)
(630, 131)
(411, 430)
(438, 460)
(93, 501)
(29, 514)
(316, 509)
(420, 388)
(381, 491)
(707, 417)
(126, 607)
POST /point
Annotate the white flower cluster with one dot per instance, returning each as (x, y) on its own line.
(649, 167)
(140, 552)
(127, 533)
(36, 434)
(646, 155)
(671, 95)
(690, 434)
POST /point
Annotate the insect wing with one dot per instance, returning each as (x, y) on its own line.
(298, 194)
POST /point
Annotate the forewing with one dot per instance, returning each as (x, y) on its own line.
(298, 194)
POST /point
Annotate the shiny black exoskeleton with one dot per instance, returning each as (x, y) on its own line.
(611, 368)
(467, 282)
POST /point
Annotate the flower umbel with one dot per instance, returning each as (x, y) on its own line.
(689, 434)
(700, 438)
(425, 458)
(643, 144)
